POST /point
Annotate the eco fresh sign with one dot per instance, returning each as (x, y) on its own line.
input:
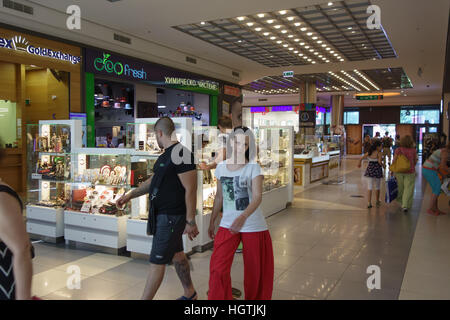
(118, 68)
(19, 43)
(372, 97)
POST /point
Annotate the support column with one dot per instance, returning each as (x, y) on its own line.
(337, 112)
(308, 95)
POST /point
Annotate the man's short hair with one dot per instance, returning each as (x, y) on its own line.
(166, 125)
(225, 122)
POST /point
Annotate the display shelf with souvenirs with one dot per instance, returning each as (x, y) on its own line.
(275, 156)
(49, 144)
(99, 178)
(142, 138)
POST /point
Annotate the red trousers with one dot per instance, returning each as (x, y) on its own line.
(258, 265)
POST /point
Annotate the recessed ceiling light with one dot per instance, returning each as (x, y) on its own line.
(290, 18)
(297, 24)
(241, 18)
(261, 15)
(314, 38)
(277, 27)
(309, 59)
(313, 62)
(258, 29)
(273, 38)
(316, 53)
(309, 34)
(328, 49)
(342, 60)
(250, 24)
(300, 54)
(302, 43)
(327, 61)
(305, 57)
(349, 28)
(239, 41)
(284, 31)
(331, 51)
(279, 41)
(311, 50)
(335, 54)
(285, 45)
(320, 56)
(304, 29)
(202, 23)
(291, 49)
(290, 36)
(295, 51)
(282, 12)
(330, 3)
(270, 21)
(297, 40)
(324, 45)
(266, 33)
(306, 47)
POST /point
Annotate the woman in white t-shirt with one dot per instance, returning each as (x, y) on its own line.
(239, 193)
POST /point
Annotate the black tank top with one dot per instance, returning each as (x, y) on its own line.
(7, 282)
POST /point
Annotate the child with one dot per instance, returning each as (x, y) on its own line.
(374, 171)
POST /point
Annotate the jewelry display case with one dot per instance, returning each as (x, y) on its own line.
(99, 178)
(49, 146)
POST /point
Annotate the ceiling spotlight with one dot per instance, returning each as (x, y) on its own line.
(313, 62)
(297, 24)
(296, 51)
(331, 51)
(273, 38)
(314, 38)
(266, 33)
(261, 15)
(319, 42)
(309, 34)
(250, 24)
(311, 50)
(349, 28)
(241, 18)
(277, 27)
(320, 56)
(330, 4)
(303, 29)
(353, 31)
(297, 40)
(284, 31)
(327, 61)
(309, 59)
(282, 12)
(258, 29)
(279, 41)
(305, 57)
(316, 53)
(290, 18)
(342, 60)
(324, 45)
(335, 54)
(300, 54)
(291, 49)
(285, 45)
(290, 36)
(306, 47)
(270, 21)
(328, 49)
(302, 43)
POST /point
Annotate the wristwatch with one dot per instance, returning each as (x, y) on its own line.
(191, 223)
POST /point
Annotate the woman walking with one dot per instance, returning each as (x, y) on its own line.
(406, 180)
(15, 248)
(239, 192)
(434, 169)
(374, 171)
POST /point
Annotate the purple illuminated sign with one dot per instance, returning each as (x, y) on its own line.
(281, 108)
(257, 109)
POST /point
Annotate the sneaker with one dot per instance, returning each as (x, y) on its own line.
(193, 297)
(405, 210)
(369, 206)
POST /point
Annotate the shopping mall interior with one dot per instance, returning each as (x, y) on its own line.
(319, 83)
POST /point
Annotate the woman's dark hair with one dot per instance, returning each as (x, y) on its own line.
(250, 153)
(225, 122)
(373, 146)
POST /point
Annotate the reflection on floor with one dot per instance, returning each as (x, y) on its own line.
(323, 245)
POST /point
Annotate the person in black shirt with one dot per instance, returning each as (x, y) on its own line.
(175, 207)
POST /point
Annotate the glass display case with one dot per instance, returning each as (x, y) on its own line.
(309, 145)
(141, 170)
(331, 143)
(274, 156)
(98, 180)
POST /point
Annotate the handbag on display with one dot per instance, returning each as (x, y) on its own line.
(401, 164)
(154, 188)
(391, 190)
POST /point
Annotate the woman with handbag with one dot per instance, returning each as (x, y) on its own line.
(15, 247)
(404, 168)
(434, 169)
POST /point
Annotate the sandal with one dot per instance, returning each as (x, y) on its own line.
(433, 213)
(193, 297)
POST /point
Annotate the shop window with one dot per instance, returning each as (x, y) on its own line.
(351, 117)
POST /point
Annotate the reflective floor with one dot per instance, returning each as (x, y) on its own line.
(323, 246)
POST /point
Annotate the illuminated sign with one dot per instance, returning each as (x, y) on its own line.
(258, 109)
(281, 108)
(231, 91)
(192, 83)
(19, 43)
(118, 68)
(288, 74)
(373, 97)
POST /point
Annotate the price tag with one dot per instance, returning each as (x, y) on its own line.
(36, 176)
(86, 207)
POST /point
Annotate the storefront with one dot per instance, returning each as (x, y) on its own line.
(39, 79)
(120, 90)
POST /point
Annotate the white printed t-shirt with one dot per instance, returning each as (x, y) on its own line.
(237, 195)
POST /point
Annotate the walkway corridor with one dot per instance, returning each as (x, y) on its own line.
(323, 245)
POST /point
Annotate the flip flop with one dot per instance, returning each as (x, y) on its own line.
(190, 298)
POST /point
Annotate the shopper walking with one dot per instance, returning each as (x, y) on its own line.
(366, 144)
(387, 143)
(239, 192)
(406, 180)
(374, 171)
(224, 125)
(434, 169)
(16, 269)
(175, 207)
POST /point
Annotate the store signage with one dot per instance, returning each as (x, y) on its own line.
(281, 108)
(192, 83)
(373, 97)
(288, 74)
(19, 43)
(258, 109)
(118, 68)
(231, 91)
(308, 119)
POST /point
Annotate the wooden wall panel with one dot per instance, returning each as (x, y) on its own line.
(58, 107)
(354, 136)
(36, 91)
(8, 81)
(75, 92)
(405, 129)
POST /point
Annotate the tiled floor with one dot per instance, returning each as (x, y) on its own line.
(323, 245)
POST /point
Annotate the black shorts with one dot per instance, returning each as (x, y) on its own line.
(168, 238)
